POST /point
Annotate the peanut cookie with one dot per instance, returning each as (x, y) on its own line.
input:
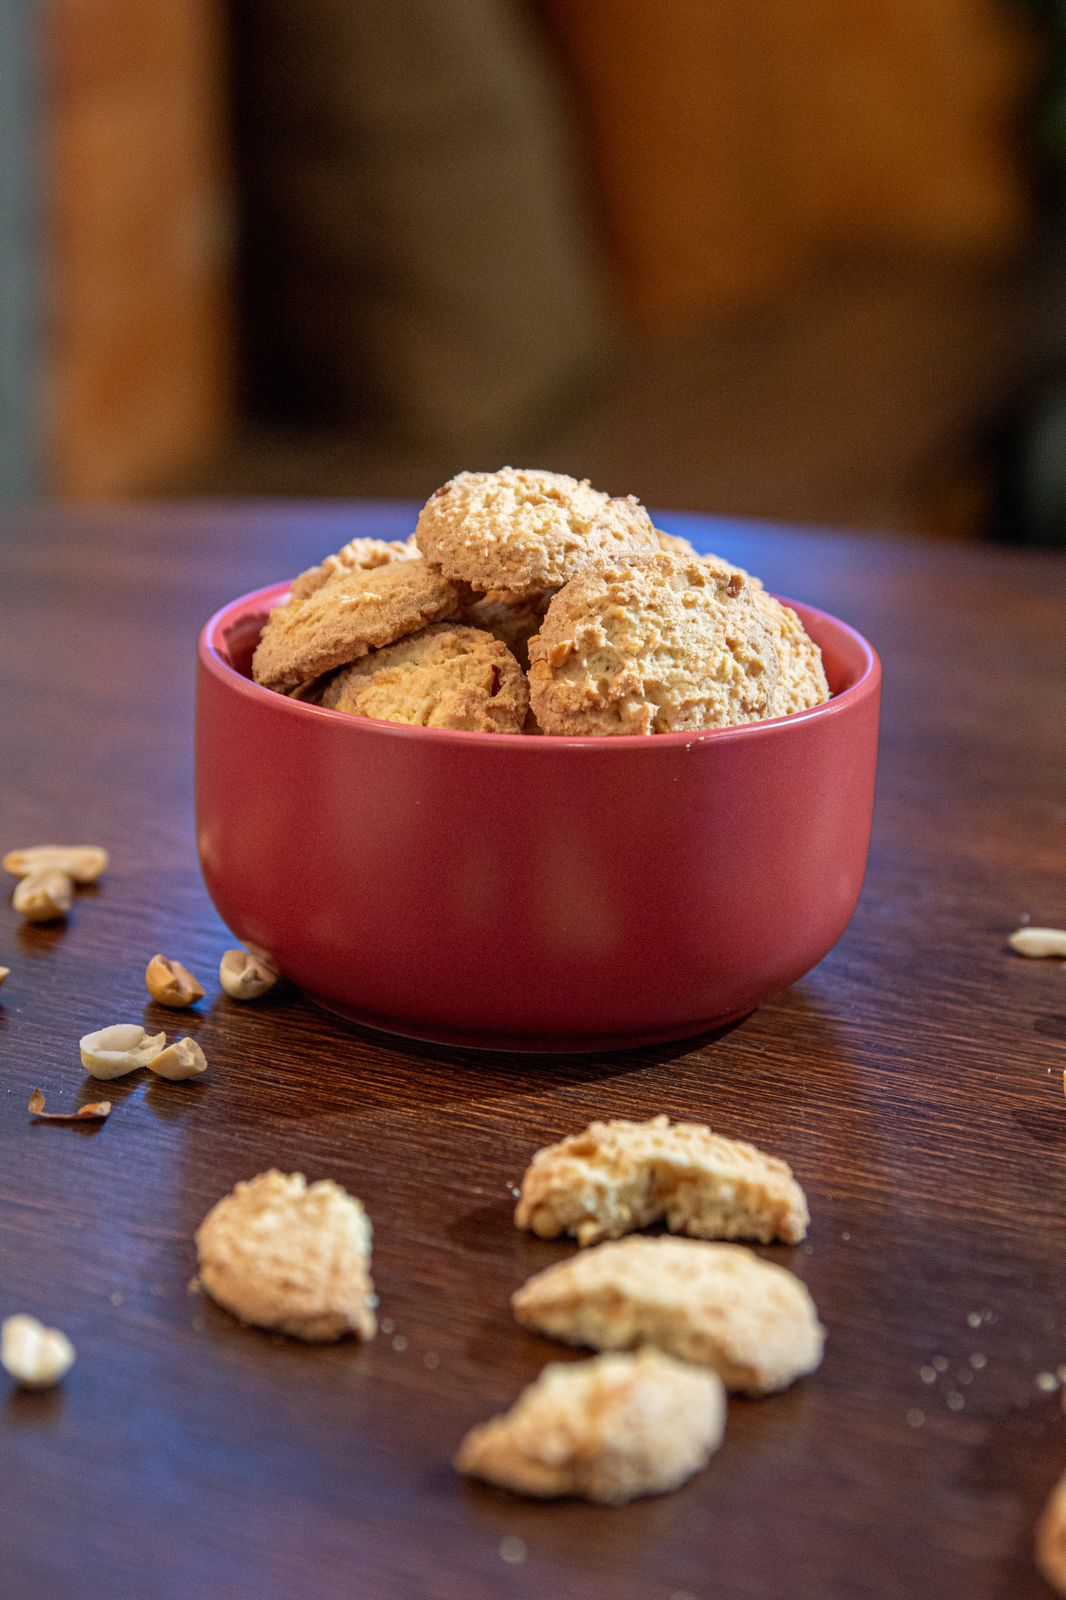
(447, 676)
(616, 1177)
(652, 644)
(358, 555)
(511, 618)
(716, 1305)
(675, 544)
(802, 681)
(608, 1429)
(1051, 1539)
(522, 529)
(353, 613)
(280, 1253)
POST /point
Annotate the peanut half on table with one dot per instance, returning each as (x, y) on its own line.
(172, 984)
(47, 875)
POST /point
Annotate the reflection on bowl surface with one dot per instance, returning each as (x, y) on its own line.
(532, 893)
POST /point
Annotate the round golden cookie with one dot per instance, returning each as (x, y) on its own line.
(358, 555)
(280, 1253)
(520, 529)
(348, 616)
(653, 644)
(447, 676)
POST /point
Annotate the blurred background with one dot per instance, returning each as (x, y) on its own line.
(801, 261)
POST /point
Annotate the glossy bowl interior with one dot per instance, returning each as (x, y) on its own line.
(532, 893)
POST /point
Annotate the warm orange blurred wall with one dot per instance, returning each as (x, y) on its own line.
(139, 343)
(728, 141)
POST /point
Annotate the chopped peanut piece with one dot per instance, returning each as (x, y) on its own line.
(43, 895)
(244, 976)
(172, 984)
(82, 862)
(1039, 941)
(184, 1059)
(35, 1356)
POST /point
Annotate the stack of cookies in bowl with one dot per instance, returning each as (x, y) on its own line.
(529, 602)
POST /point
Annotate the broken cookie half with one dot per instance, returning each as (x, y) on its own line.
(614, 1178)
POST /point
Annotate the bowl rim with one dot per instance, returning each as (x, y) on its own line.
(210, 656)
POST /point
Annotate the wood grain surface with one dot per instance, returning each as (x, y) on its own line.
(914, 1080)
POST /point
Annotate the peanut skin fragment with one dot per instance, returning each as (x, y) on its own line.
(95, 1111)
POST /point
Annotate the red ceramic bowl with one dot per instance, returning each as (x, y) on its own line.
(532, 893)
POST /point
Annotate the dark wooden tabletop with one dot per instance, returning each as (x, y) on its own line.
(914, 1080)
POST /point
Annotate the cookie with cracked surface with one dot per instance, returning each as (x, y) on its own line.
(353, 613)
(653, 644)
(283, 1254)
(608, 1430)
(675, 544)
(1051, 1539)
(447, 676)
(715, 1305)
(358, 555)
(616, 1177)
(511, 618)
(802, 682)
(523, 530)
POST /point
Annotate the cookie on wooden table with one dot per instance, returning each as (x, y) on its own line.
(1051, 1539)
(715, 1305)
(608, 1430)
(616, 1177)
(295, 1257)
